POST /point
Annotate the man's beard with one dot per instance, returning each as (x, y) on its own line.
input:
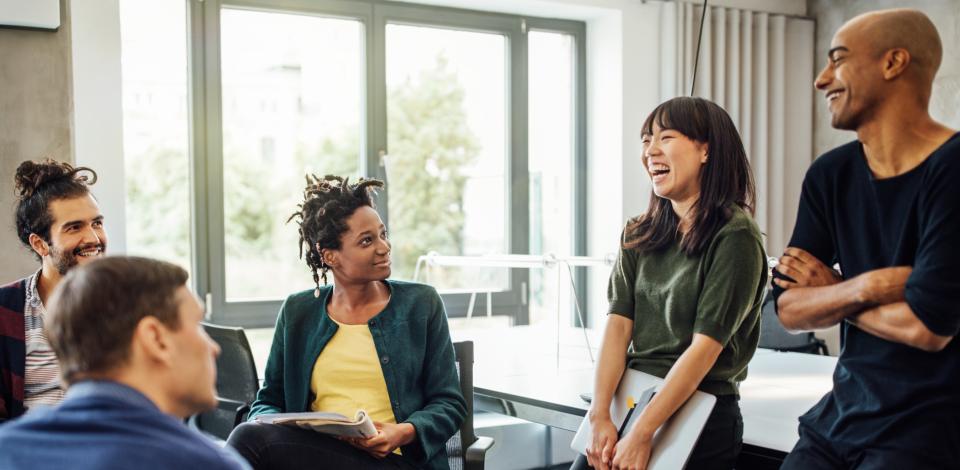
(66, 260)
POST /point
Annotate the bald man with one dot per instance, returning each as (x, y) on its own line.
(886, 208)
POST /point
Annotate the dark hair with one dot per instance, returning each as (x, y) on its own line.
(322, 216)
(40, 183)
(725, 179)
(95, 310)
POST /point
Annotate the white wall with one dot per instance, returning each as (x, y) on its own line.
(97, 110)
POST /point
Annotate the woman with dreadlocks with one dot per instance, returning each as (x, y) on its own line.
(366, 342)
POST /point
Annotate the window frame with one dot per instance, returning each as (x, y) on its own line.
(206, 137)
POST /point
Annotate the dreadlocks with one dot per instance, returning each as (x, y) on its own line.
(322, 216)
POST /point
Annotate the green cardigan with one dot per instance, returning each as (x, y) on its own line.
(413, 343)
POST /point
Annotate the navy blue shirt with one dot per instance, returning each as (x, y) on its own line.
(106, 425)
(885, 393)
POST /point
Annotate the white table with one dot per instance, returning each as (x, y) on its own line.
(518, 366)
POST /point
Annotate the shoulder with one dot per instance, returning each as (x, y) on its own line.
(13, 299)
(414, 302)
(945, 161)
(412, 290)
(13, 294)
(834, 162)
(741, 225)
(194, 450)
(303, 302)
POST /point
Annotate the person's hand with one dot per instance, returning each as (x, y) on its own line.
(805, 269)
(389, 437)
(601, 447)
(632, 452)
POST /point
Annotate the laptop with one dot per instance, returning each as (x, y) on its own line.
(674, 441)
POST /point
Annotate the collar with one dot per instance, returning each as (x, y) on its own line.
(33, 296)
(111, 389)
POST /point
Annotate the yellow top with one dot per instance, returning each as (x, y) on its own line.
(347, 376)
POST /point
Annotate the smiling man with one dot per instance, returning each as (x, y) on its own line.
(886, 208)
(59, 220)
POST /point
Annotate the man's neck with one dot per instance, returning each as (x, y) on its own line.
(149, 387)
(897, 141)
(46, 282)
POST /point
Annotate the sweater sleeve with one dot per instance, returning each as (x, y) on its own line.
(270, 398)
(623, 278)
(444, 408)
(736, 270)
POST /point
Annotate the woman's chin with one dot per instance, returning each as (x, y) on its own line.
(661, 192)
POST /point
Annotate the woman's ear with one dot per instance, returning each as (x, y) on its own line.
(705, 148)
(329, 257)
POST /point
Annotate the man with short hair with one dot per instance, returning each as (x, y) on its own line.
(60, 221)
(128, 334)
(886, 208)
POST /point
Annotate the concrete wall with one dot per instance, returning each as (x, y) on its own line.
(36, 108)
(945, 103)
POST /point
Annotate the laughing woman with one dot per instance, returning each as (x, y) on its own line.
(686, 289)
(366, 342)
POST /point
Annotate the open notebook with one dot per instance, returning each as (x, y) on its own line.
(674, 441)
(327, 423)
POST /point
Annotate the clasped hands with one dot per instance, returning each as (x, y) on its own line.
(606, 452)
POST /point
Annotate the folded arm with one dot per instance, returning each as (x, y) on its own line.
(873, 301)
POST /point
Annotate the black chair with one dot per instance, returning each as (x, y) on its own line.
(237, 382)
(466, 450)
(774, 336)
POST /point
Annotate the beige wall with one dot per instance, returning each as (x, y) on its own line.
(36, 108)
(945, 103)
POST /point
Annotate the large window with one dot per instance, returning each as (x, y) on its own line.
(284, 114)
(473, 119)
(155, 129)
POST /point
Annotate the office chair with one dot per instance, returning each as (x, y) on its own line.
(237, 382)
(466, 450)
(774, 336)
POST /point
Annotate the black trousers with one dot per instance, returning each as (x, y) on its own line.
(719, 444)
(814, 452)
(276, 447)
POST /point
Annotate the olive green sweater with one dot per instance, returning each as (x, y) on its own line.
(671, 296)
(416, 355)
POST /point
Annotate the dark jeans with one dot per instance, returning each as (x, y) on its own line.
(276, 447)
(814, 452)
(719, 444)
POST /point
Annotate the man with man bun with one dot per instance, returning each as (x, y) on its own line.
(59, 220)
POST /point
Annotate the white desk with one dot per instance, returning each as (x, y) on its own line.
(518, 367)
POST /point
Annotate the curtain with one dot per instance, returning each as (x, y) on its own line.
(759, 67)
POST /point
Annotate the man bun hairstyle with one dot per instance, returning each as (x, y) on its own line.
(40, 183)
(322, 216)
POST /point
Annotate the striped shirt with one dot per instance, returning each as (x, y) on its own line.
(41, 382)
